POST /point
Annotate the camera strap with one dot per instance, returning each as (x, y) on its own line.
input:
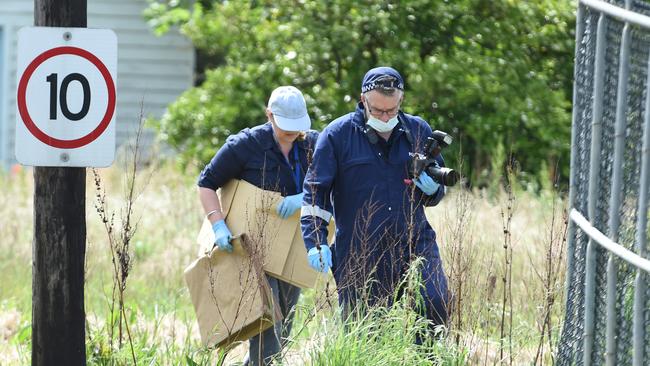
(373, 138)
(407, 132)
(371, 134)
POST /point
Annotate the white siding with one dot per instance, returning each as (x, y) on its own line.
(152, 71)
(13, 15)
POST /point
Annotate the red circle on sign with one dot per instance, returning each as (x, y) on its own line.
(27, 119)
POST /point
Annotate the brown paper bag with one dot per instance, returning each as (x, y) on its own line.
(231, 295)
(251, 210)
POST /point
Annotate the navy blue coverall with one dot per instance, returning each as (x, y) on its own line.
(380, 220)
(254, 156)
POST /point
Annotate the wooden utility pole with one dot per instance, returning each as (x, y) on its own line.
(59, 247)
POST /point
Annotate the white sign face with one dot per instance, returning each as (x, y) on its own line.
(66, 97)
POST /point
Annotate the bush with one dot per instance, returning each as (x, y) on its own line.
(489, 72)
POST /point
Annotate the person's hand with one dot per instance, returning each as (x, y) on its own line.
(426, 184)
(222, 236)
(320, 260)
(290, 205)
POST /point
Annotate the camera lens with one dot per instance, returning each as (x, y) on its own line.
(444, 176)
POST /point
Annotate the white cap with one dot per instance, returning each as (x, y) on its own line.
(289, 109)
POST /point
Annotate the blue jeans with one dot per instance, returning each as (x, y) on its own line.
(270, 342)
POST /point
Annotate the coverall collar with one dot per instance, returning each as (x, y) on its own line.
(267, 140)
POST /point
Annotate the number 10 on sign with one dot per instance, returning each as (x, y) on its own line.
(52, 79)
(66, 96)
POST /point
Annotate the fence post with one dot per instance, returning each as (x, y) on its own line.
(638, 342)
(594, 168)
(615, 193)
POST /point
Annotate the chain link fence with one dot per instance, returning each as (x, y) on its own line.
(607, 317)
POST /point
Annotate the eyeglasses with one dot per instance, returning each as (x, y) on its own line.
(390, 113)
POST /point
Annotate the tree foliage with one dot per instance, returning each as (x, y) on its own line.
(494, 74)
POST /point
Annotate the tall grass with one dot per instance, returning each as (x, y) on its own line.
(497, 242)
(161, 318)
(398, 335)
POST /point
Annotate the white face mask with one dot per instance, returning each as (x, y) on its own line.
(381, 126)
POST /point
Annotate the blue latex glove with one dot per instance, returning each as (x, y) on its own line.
(222, 236)
(289, 205)
(426, 184)
(320, 260)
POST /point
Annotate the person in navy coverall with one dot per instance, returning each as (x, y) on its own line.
(272, 156)
(359, 176)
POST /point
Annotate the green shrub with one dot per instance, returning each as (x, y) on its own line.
(491, 73)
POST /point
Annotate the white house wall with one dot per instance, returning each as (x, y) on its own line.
(152, 71)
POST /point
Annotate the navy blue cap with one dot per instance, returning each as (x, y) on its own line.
(382, 77)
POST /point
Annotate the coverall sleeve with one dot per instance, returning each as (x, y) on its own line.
(224, 166)
(317, 208)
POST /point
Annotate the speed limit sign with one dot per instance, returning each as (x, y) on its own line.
(66, 97)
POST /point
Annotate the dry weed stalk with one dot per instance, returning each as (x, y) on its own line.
(506, 301)
(250, 276)
(552, 276)
(256, 242)
(323, 301)
(119, 239)
(461, 255)
(472, 279)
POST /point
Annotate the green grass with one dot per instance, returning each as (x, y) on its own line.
(161, 316)
(384, 336)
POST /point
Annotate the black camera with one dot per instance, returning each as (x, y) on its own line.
(426, 161)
